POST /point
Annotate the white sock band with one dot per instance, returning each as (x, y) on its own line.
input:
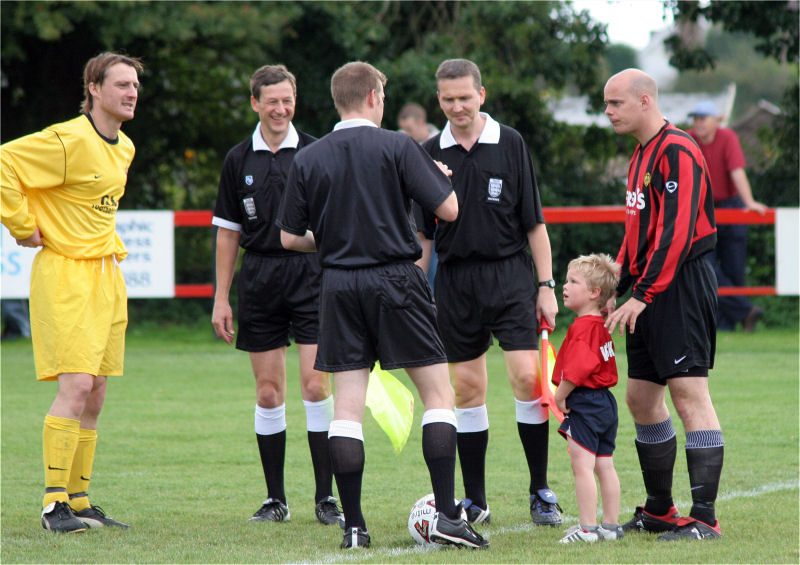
(346, 428)
(531, 412)
(319, 414)
(270, 421)
(439, 415)
(472, 419)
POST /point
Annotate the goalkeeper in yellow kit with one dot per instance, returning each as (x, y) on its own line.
(60, 190)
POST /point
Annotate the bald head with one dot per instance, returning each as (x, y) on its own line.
(631, 98)
(637, 82)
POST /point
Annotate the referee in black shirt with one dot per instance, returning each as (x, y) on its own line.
(485, 283)
(353, 190)
(278, 291)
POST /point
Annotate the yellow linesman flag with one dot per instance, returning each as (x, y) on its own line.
(392, 406)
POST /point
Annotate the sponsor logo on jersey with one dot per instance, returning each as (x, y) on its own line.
(248, 180)
(607, 350)
(671, 186)
(495, 188)
(108, 205)
(250, 208)
(635, 199)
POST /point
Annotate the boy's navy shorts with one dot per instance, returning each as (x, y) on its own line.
(592, 421)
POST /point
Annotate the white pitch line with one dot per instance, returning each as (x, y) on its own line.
(376, 554)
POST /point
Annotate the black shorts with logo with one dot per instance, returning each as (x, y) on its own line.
(592, 421)
(384, 313)
(278, 295)
(676, 335)
(477, 299)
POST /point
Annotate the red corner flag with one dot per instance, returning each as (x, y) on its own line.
(548, 353)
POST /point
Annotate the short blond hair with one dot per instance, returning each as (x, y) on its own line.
(351, 84)
(600, 271)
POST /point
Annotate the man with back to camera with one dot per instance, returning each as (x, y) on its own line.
(60, 191)
(278, 291)
(671, 339)
(485, 283)
(723, 154)
(352, 189)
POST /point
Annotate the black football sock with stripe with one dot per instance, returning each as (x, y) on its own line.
(657, 461)
(272, 449)
(439, 451)
(321, 461)
(535, 440)
(704, 455)
(347, 460)
(472, 456)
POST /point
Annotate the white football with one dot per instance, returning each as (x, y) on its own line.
(420, 519)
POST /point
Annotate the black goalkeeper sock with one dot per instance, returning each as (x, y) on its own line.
(439, 451)
(321, 461)
(347, 462)
(535, 440)
(472, 456)
(272, 449)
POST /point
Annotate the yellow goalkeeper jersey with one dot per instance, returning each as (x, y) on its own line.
(68, 181)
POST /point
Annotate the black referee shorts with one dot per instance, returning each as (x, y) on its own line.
(477, 299)
(276, 294)
(592, 421)
(383, 313)
(676, 335)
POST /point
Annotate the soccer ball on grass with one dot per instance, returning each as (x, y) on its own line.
(420, 519)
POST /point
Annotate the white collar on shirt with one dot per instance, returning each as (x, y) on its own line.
(354, 123)
(490, 133)
(291, 139)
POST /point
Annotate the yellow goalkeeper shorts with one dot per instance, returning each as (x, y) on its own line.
(79, 313)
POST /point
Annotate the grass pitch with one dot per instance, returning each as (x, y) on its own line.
(177, 459)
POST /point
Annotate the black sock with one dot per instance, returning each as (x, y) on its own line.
(347, 462)
(657, 461)
(272, 449)
(705, 468)
(472, 455)
(321, 461)
(439, 451)
(535, 440)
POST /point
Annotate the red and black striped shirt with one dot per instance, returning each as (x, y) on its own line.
(669, 212)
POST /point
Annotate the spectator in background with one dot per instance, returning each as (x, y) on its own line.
(412, 120)
(16, 319)
(723, 153)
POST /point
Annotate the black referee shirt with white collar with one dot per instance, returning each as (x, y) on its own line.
(354, 187)
(497, 194)
(251, 187)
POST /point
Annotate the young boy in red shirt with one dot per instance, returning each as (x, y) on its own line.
(584, 371)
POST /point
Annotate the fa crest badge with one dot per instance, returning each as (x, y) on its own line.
(248, 180)
(250, 208)
(495, 188)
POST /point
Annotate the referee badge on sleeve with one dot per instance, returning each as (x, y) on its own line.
(494, 189)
